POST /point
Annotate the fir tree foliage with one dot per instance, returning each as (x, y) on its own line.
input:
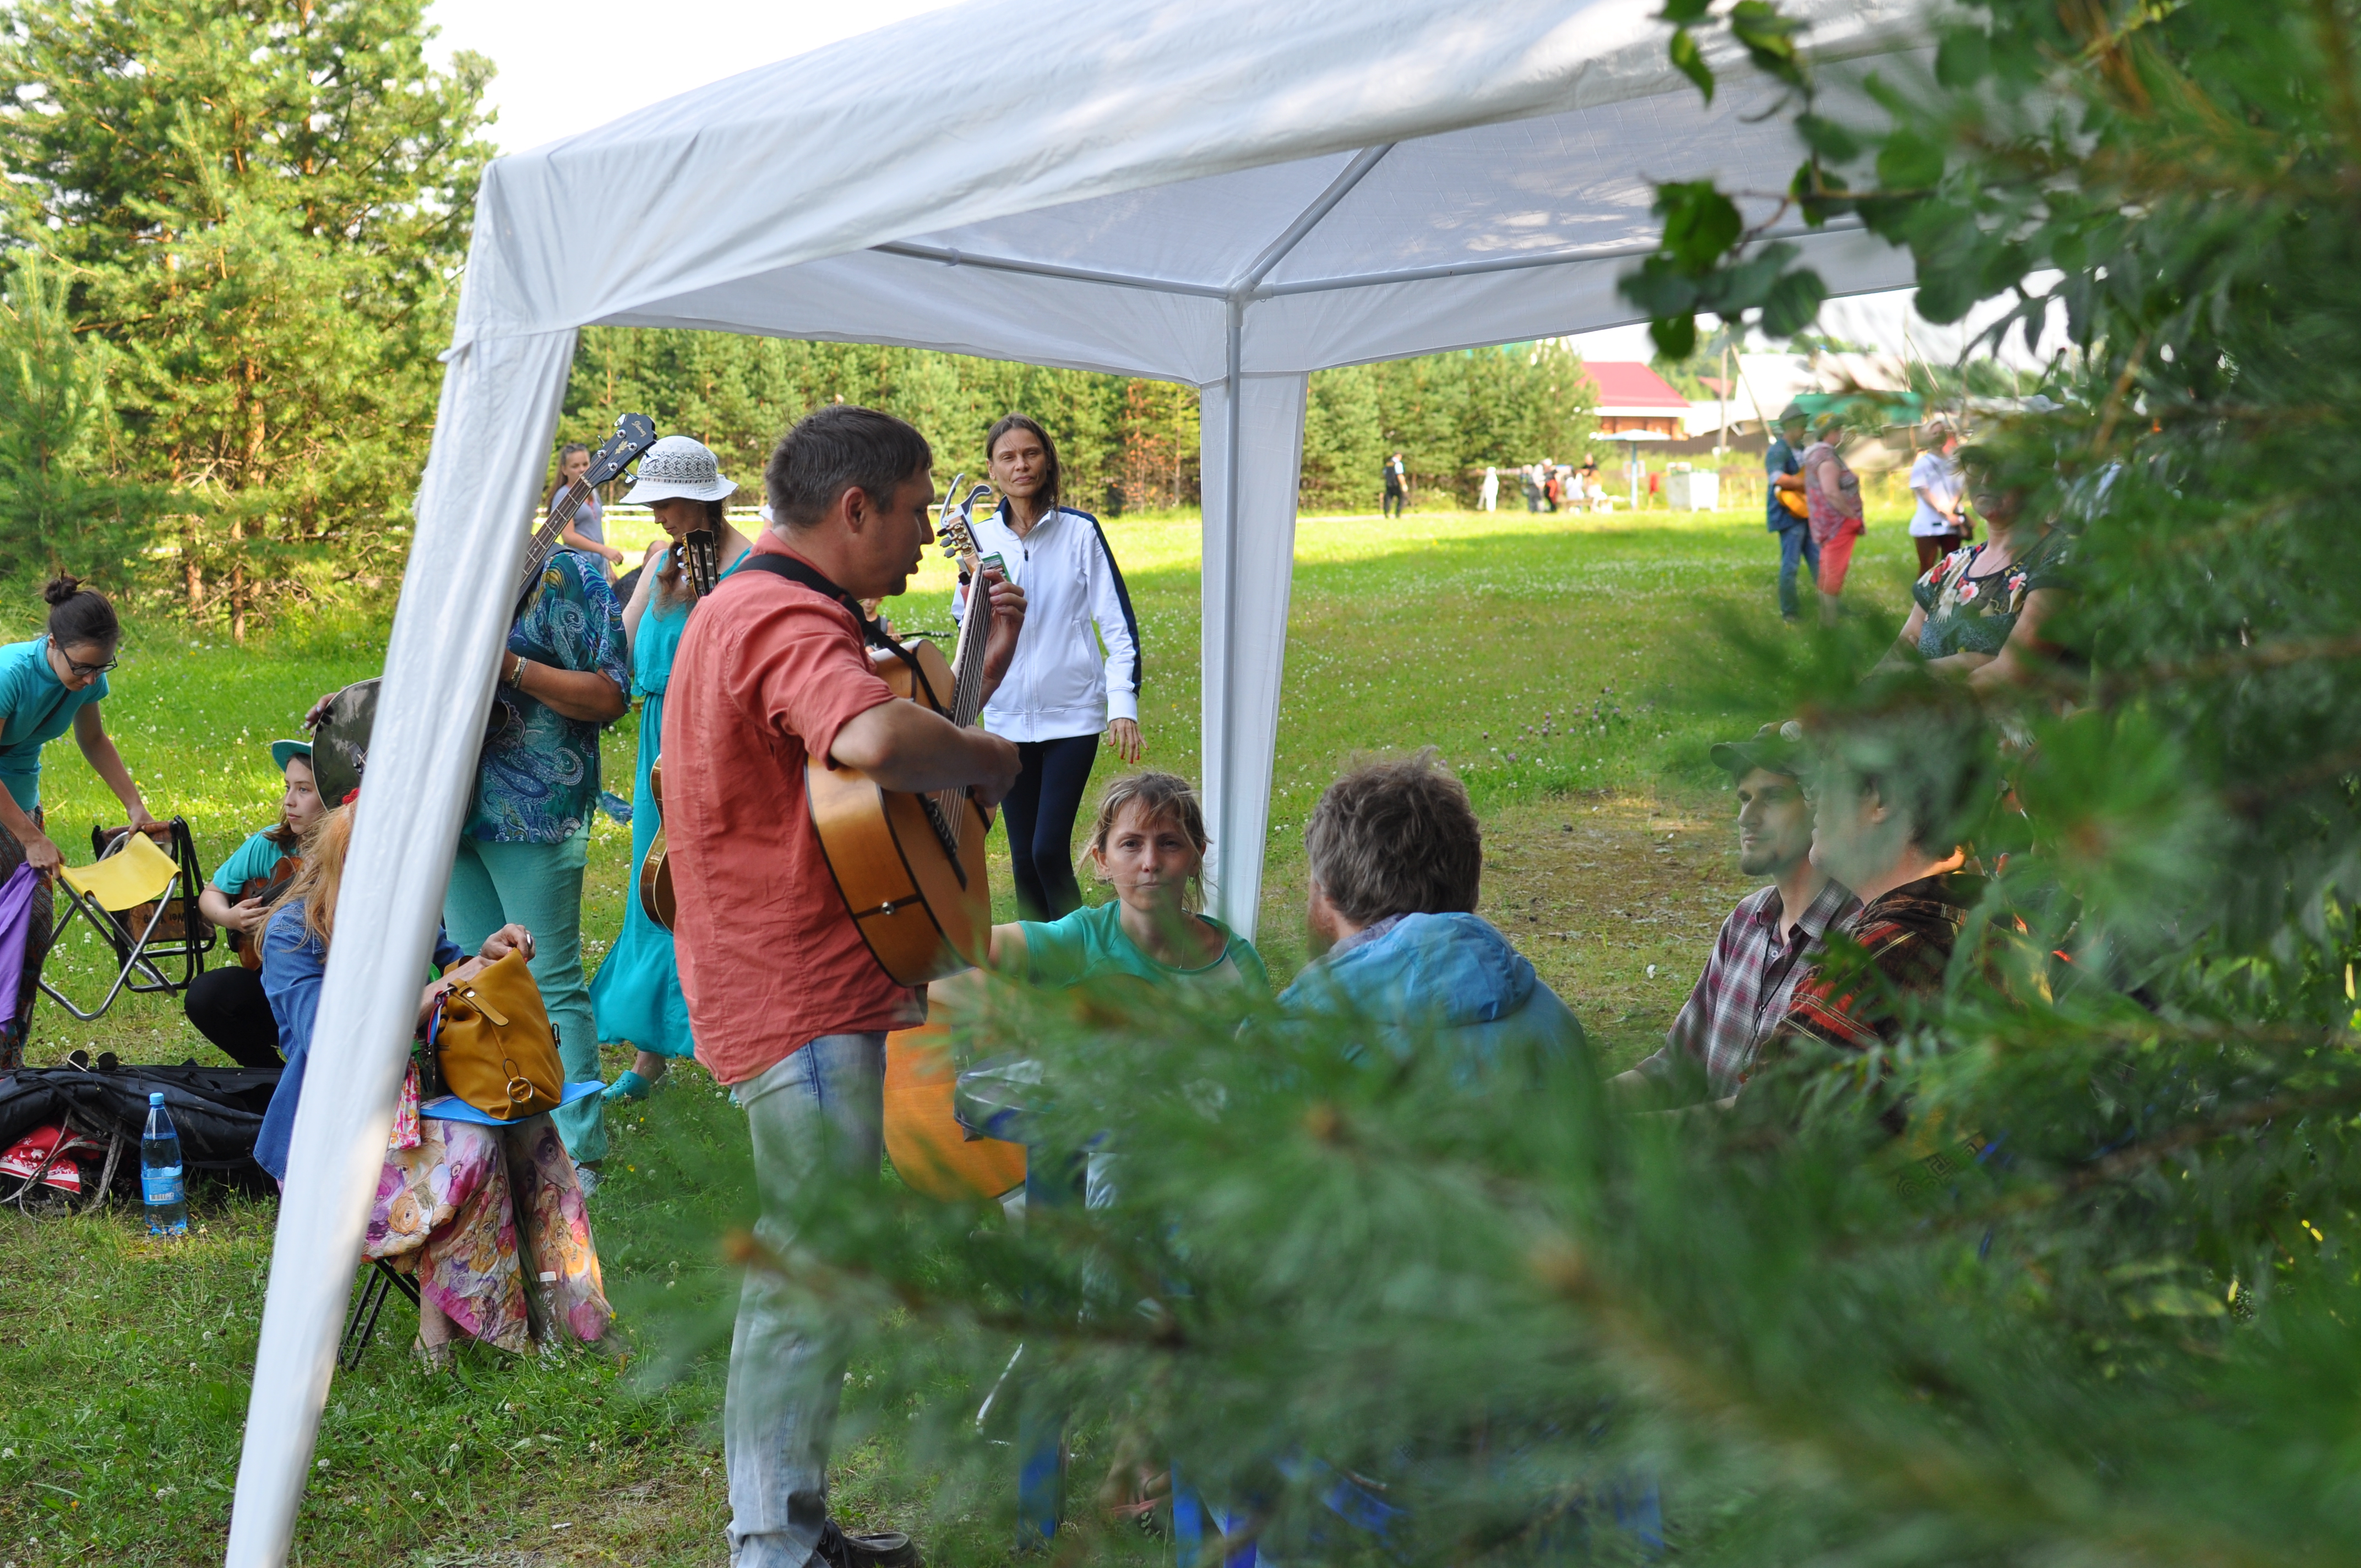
(2061, 1273)
(61, 507)
(1128, 445)
(261, 205)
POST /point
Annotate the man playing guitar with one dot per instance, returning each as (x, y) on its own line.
(787, 1003)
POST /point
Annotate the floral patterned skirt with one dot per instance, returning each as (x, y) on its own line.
(486, 1217)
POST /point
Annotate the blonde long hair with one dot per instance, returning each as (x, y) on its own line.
(315, 881)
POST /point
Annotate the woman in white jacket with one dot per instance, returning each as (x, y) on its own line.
(1076, 671)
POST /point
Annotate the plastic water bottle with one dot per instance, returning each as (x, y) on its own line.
(160, 1183)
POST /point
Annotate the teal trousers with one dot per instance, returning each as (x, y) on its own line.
(539, 887)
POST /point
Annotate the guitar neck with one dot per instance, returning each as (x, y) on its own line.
(544, 539)
(967, 661)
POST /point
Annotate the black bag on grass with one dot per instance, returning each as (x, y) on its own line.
(217, 1111)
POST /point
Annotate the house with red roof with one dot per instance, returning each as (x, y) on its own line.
(1632, 397)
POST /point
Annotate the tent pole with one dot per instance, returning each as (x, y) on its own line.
(1252, 457)
(492, 429)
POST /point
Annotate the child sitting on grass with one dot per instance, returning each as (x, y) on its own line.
(1397, 860)
(1149, 844)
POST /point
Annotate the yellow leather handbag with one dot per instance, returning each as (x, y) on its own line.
(494, 1044)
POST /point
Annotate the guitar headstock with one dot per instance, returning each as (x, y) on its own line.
(701, 558)
(634, 434)
(954, 528)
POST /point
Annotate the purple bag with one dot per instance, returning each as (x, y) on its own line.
(16, 925)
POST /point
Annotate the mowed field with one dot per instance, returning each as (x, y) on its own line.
(124, 1363)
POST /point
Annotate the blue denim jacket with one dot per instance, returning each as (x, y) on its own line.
(294, 962)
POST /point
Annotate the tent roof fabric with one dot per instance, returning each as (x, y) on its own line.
(1628, 387)
(1361, 179)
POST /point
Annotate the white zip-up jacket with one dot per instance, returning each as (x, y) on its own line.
(1061, 682)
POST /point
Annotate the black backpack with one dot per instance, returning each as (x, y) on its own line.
(217, 1111)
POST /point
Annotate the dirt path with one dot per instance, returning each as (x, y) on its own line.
(1598, 889)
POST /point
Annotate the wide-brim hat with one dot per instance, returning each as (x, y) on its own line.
(679, 467)
(1775, 748)
(281, 750)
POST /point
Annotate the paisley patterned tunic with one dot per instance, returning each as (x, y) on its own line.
(539, 779)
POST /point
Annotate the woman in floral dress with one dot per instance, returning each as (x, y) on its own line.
(469, 1211)
(1980, 610)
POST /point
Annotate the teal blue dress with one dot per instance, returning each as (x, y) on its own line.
(636, 997)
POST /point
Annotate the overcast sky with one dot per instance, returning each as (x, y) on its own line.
(566, 67)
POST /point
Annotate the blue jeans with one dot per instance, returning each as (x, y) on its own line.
(1795, 542)
(818, 1116)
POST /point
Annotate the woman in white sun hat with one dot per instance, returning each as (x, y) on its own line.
(636, 997)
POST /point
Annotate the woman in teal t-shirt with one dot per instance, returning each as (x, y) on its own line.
(635, 997)
(51, 684)
(1149, 844)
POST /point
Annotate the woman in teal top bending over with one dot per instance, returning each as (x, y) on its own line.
(47, 684)
(636, 997)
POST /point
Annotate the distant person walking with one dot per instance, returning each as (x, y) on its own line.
(588, 530)
(1786, 513)
(1529, 480)
(1487, 499)
(1940, 525)
(1397, 485)
(1832, 494)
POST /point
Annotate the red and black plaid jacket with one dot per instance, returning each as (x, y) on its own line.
(1907, 935)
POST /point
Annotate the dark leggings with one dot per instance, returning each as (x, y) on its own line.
(1041, 815)
(228, 1008)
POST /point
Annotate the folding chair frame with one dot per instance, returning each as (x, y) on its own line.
(133, 951)
(378, 1282)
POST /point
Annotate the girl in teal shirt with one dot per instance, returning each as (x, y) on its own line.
(51, 684)
(1149, 843)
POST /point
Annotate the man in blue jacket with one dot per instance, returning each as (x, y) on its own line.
(1397, 858)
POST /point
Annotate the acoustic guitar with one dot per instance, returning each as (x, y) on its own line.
(700, 562)
(911, 866)
(340, 741)
(250, 948)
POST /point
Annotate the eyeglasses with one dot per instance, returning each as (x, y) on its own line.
(86, 671)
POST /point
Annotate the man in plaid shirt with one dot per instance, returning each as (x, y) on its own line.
(1886, 800)
(1768, 943)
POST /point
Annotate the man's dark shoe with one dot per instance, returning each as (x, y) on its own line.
(864, 1548)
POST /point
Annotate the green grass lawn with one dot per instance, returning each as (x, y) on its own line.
(124, 1363)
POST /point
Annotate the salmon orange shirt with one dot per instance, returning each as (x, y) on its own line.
(768, 672)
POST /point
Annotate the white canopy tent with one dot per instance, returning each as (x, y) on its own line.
(1227, 193)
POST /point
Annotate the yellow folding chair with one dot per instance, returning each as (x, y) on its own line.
(143, 902)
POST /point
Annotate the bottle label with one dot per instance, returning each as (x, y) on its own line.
(161, 1185)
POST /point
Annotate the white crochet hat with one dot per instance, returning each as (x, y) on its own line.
(679, 466)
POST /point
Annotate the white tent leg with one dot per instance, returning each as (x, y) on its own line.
(1251, 456)
(499, 413)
